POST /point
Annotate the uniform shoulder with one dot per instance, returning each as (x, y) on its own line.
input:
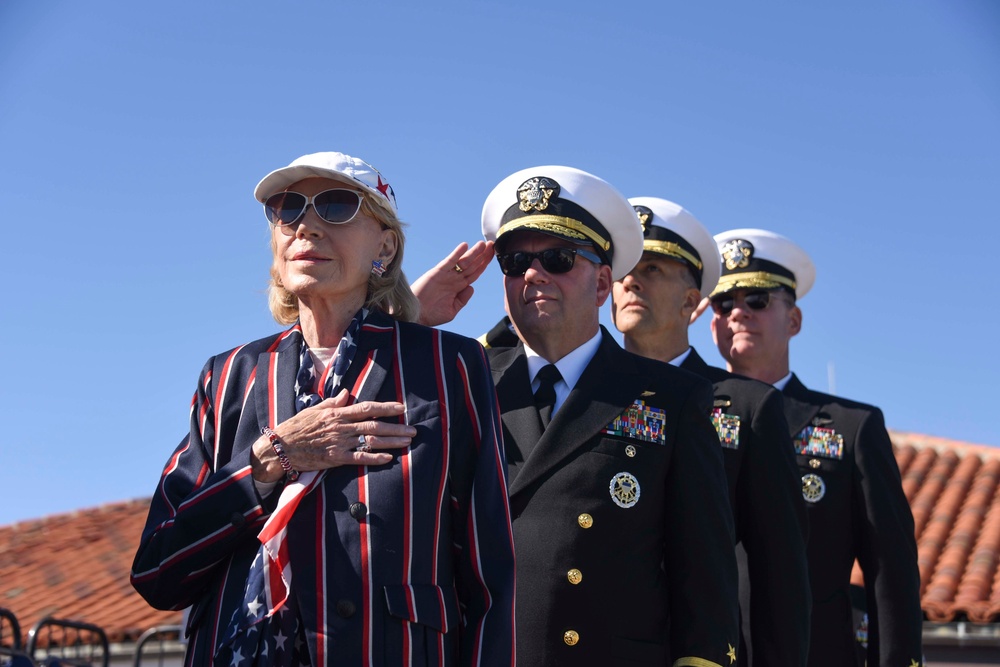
(667, 373)
(837, 404)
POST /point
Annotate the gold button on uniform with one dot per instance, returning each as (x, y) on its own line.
(574, 576)
(585, 520)
(571, 637)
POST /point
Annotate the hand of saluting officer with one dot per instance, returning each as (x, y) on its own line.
(444, 290)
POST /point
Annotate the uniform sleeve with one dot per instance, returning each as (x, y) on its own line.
(773, 527)
(484, 541)
(888, 549)
(701, 565)
(199, 515)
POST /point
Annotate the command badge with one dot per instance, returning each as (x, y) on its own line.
(534, 193)
(624, 489)
(813, 488)
(816, 441)
(728, 428)
(737, 254)
(640, 422)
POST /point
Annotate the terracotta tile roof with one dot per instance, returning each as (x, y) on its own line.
(76, 565)
(954, 493)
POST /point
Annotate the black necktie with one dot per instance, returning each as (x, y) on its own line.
(545, 397)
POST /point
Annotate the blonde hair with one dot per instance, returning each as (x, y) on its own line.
(389, 292)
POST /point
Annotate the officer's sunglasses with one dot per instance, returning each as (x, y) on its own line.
(553, 260)
(336, 206)
(756, 300)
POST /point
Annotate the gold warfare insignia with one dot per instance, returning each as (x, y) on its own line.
(737, 254)
(624, 489)
(534, 193)
(817, 441)
(813, 488)
(728, 428)
(640, 422)
(645, 217)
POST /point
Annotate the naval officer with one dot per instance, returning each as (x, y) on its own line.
(652, 307)
(622, 529)
(850, 480)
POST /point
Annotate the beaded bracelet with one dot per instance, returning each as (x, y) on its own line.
(279, 449)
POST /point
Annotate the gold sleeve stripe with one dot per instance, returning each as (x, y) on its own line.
(695, 662)
(752, 279)
(557, 224)
(668, 248)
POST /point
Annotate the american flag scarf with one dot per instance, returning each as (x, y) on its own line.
(266, 598)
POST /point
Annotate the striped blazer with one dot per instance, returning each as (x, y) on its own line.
(409, 563)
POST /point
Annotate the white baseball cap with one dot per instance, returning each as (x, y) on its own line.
(333, 165)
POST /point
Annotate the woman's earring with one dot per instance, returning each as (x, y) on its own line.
(377, 268)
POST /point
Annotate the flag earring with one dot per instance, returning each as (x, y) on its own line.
(377, 268)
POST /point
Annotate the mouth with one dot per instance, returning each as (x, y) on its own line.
(633, 305)
(307, 256)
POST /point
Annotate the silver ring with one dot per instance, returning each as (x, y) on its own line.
(363, 445)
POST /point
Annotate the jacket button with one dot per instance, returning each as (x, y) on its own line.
(574, 576)
(570, 637)
(345, 608)
(585, 520)
(358, 511)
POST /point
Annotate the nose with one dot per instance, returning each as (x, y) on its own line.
(631, 283)
(310, 224)
(535, 275)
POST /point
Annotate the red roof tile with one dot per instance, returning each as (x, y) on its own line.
(954, 493)
(76, 565)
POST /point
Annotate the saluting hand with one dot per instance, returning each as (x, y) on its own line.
(328, 435)
(445, 289)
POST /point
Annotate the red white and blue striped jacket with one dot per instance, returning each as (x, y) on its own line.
(423, 574)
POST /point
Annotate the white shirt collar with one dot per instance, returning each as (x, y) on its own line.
(780, 384)
(570, 367)
(679, 359)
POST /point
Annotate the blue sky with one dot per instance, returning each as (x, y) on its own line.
(132, 135)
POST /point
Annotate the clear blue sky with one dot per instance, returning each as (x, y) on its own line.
(132, 135)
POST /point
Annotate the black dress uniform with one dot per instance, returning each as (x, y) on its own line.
(769, 513)
(620, 517)
(856, 509)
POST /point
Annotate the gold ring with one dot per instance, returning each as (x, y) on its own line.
(458, 269)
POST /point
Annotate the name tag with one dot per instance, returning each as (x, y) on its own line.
(639, 422)
(818, 441)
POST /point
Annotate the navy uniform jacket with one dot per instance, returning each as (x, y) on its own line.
(597, 581)
(406, 563)
(857, 509)
(769, 513)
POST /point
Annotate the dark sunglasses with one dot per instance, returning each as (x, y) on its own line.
(336, 206)
(756, 300)
(553, 260)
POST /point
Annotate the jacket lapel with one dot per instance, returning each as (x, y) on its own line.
(798, 410)
(375, 342)
(593, 403)
(522, 427)
(274, 379)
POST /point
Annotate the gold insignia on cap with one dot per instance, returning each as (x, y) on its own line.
(737, 254)
(629, 451)
(813, 488)
(645, 216)
(624, 489)
(534, 193)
